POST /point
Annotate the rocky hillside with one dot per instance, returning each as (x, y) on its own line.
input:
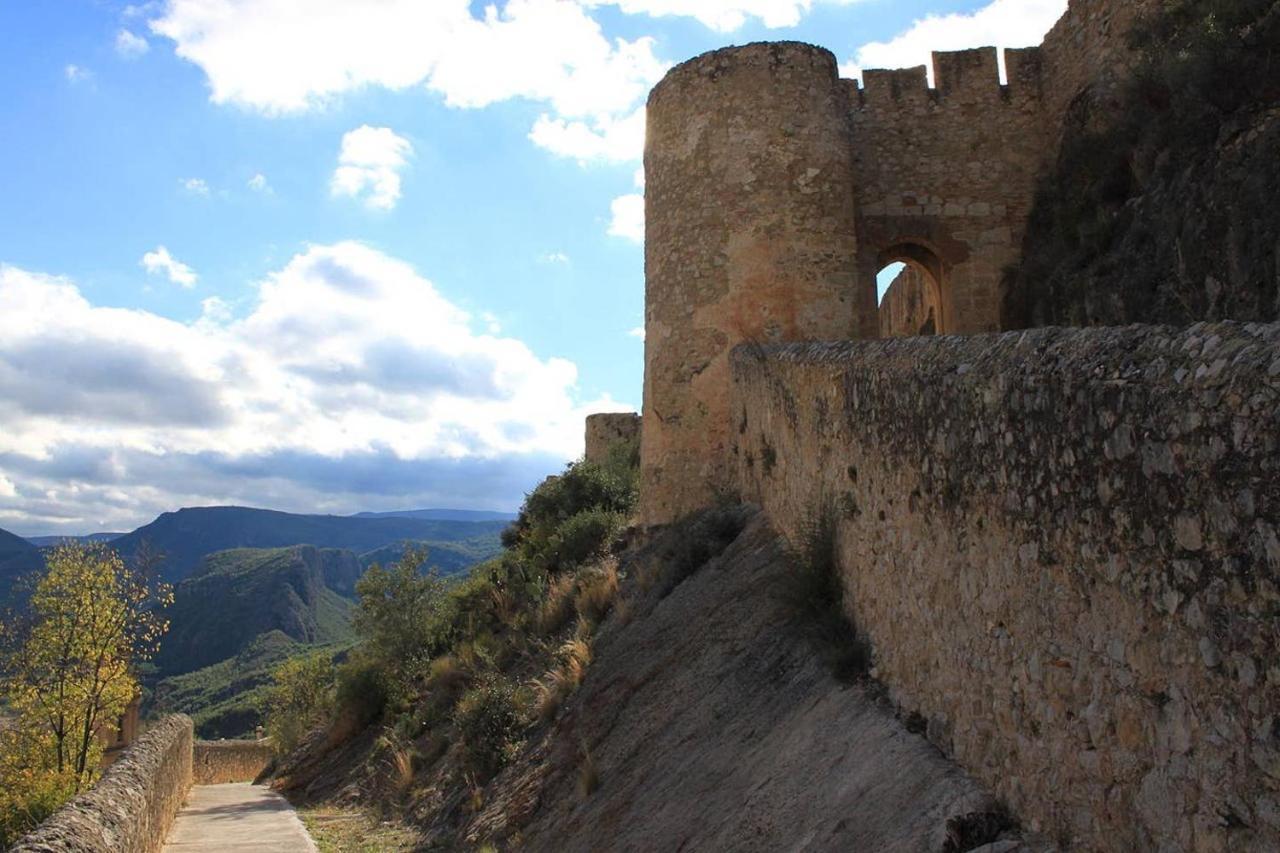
(236, 596)
(1160, 208)
(707, 719)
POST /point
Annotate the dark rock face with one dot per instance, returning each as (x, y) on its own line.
(1160, 206)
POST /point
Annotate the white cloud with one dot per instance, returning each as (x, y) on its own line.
(280, 56)
(637, 332)
(554, 258)
(7, 488)
(604, 138)
(131, 46)
(258, 183)
(1003, 23)
(160, 262)
(720, 15)
(77, 74)
(195, 186)
(350, 381)
(628, 217)
(369, 166)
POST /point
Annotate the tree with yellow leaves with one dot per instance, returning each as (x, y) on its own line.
(68, 668)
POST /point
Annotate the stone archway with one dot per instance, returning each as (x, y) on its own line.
(918, 302)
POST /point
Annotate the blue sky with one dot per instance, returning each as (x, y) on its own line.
(338, 255)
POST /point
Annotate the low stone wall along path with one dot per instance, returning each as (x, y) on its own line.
(238, 816)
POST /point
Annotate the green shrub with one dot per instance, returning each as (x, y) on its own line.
(585, 536)
(363, 690)
(538, 533)
(815, 591)
(490, 718)
(300, 700)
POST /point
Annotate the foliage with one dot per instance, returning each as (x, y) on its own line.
(31, 788)
(815, 591)
(300, 700)
(585, 536)
(1091, 254)
(399, 614)
(362, 690)
(546, 534)
(69, 668)
(490, 719)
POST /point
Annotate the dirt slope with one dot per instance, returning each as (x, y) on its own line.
(712, 725)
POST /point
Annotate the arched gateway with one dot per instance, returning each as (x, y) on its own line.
(776, 191)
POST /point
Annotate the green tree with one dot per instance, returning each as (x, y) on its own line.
(68, 669)
(300, 699)
(399, 613)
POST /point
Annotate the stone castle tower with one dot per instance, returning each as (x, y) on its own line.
(776, 191)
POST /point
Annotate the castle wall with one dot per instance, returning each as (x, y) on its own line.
(1064, 547)
(749, 237)
(609, 430)
(950, 170)
(910, 306)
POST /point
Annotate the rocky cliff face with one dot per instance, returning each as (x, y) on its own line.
(1161, 206)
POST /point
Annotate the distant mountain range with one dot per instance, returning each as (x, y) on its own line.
(253, 587)
(442, 515)
(18, 557)
(50, 541)
(187, 536)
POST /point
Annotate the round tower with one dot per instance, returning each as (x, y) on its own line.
(749, 218)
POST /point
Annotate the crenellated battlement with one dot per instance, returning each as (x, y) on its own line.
(962, 77)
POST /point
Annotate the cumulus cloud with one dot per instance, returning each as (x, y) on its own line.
(369, 165)
(258, 183)
(349, 383)
(160, 262)
(281, 56)
(130, 45)
(601, 139)
(1003, 23)
(637, 333)
(628, 217)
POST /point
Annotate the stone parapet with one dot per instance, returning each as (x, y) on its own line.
(1064, 546)
(218, 761)
(607, 431)
(134, 803)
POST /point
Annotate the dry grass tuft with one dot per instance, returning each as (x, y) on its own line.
(557, 607)
(558, 684)
(597, 590)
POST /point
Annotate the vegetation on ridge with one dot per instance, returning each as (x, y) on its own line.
(1150, 214)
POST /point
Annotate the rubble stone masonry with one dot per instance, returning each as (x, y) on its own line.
(775, 192)
(1064, 547)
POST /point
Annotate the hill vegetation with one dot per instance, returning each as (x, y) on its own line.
(1151, 214)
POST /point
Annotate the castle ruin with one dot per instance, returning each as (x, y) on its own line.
(776, 191)
(1063, 545)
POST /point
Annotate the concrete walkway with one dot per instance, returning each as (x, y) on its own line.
(238, 816)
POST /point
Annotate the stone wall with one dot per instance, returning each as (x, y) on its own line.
(910, 306)
(776, 192)
(609, 430)
(1064, 546)
(749, 236)
(218, 761)
(945, 176)
(134, 803)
